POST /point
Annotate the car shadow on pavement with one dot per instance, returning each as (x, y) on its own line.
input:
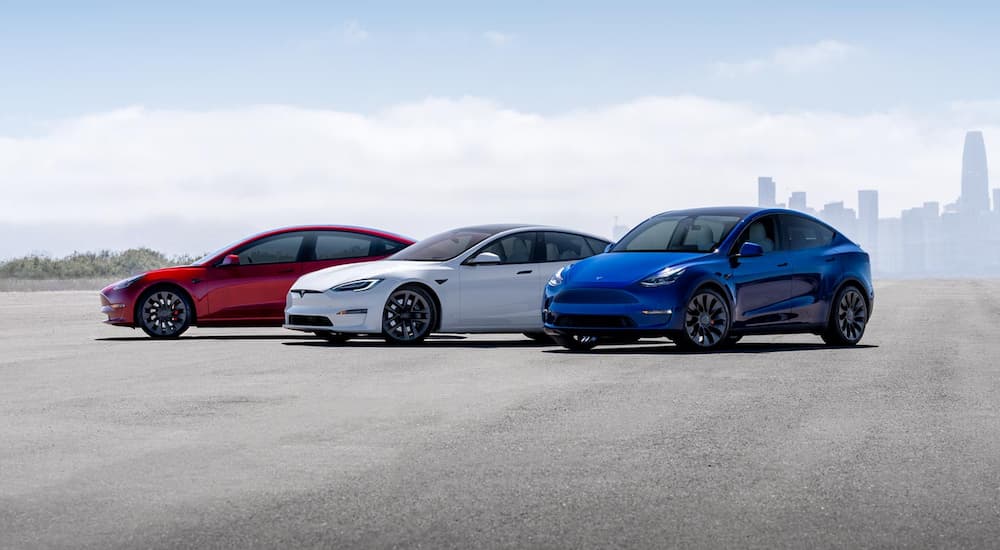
(434, 342)
(205, 337)
(666, 348)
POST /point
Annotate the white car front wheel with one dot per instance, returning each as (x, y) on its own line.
(409, 315)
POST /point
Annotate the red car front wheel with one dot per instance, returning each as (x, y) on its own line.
(164, 313)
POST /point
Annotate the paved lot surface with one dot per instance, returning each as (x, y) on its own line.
(264, 438)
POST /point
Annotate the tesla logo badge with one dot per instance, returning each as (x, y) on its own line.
(301, 293)
(440, 281)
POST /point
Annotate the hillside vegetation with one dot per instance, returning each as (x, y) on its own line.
(85, 265)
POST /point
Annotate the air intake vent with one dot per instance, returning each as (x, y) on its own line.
(309, 320)
(593, 321)
(594, 296)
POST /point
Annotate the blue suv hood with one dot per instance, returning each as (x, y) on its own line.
(623, 268)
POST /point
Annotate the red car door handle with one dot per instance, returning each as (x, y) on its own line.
(289, 270)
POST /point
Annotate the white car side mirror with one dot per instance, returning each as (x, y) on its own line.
(485, 258)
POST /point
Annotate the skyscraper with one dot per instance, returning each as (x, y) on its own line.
(844, 219)
(797, 201)
(868, 219)
(975, 179)
(765, 191)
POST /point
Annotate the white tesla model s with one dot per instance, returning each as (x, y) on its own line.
(486, 278)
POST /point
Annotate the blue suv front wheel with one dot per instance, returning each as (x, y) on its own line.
(706, 321)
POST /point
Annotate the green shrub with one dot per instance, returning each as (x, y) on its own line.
(82, 265)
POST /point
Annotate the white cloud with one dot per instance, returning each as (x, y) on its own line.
(353, 33)
(422, 167)
(497, 38)
(794, 59)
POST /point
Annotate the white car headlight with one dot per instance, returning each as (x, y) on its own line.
(125, 283)
(664, 277)
(356, 286)
(557, 278)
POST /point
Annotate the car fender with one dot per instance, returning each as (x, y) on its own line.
(444, 301)
(703, 277)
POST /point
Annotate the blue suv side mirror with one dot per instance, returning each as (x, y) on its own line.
(750, 250)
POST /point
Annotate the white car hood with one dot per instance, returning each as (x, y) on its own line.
(325, 279)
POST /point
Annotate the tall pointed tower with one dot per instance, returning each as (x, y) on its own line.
(975, 178)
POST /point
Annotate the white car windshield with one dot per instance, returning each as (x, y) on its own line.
(447, 245)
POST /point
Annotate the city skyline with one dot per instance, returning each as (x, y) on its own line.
(927, 239)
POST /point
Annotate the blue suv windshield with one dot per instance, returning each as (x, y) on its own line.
(678, 233)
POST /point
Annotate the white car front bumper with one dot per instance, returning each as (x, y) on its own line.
(353, 312)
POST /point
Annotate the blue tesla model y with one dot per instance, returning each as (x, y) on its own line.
(706, 277)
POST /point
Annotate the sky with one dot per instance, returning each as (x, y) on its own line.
(184, 125)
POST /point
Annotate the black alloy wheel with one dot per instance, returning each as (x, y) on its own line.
(164, 313)
(409, 316)
(706, 321)
(848, 318)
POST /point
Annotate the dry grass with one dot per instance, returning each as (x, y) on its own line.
(38, 285)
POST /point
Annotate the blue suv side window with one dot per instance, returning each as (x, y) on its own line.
(763, 232)
(801, 234)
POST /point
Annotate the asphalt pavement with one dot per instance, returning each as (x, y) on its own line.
(265, 438)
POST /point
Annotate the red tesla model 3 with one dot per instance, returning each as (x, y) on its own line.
(243, 284)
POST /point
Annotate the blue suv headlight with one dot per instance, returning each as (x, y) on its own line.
(557, 278)
(664, 277)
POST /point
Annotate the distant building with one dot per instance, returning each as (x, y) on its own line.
(618, 231)
(797, 201)
(934, 239)
(766, 195)
(913, 241)
(868, 220)
(890, 255)
(975, 197)
(844, 219)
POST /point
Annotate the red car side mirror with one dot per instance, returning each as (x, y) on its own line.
(231, 259)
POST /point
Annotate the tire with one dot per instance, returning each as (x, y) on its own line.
(706, 322)
(409, 315)
(164, 312)
(539, 337)
(848, 318)
(333, 337)
(575, 342)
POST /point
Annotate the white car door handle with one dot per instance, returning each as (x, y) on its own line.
(525, 272)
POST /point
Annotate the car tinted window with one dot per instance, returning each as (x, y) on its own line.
(678, 233)
(597, 245)
(382, 246)
(564, 246)
(801, 233)
(272, 250)
(444, 246)
(513, 249)
(336, 245)
(763, 232)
